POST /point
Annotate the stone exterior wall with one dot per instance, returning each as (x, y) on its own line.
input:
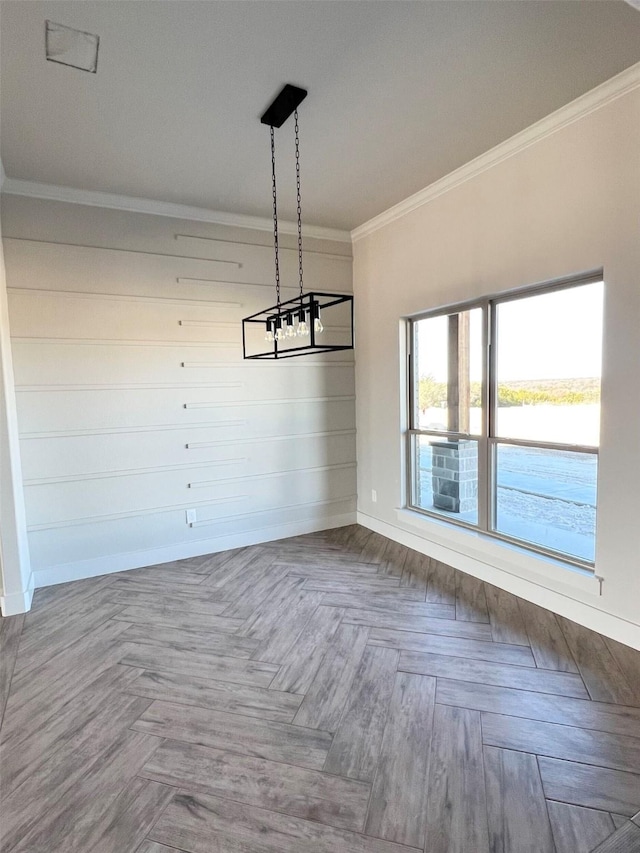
(455, 475)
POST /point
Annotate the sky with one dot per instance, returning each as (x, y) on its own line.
(556, 335)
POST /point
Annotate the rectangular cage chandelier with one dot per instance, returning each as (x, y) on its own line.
(311, 322)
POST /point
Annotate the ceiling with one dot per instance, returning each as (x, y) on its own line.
(400, 94)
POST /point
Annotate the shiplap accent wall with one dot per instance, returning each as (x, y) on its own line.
(134, 403)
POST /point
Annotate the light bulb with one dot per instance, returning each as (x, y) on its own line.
(303, 329)
(269, 336)
(317, 325)
(279, 333)
(290, 330)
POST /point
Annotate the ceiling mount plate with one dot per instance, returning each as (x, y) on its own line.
(288, 100)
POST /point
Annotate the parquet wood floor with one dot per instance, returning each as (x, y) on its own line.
(330, 693)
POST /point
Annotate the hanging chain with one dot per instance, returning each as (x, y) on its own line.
(299, 203)
(275, 213)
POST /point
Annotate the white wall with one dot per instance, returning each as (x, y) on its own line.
(16, 581)
(566, 204)
(118, 438)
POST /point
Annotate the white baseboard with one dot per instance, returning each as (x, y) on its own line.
(18, 602)
(584, 614)
(138, 559)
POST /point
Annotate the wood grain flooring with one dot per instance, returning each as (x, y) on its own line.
(329, 693)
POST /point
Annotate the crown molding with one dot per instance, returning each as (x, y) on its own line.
(71, 195)
(609, 91)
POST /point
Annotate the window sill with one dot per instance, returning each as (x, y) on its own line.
(500, 555)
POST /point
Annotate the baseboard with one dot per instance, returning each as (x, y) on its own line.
(138, 559)
(580, 612)
(18, 602)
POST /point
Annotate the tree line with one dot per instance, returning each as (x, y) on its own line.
(557, 392)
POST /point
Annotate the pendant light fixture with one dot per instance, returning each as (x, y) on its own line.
(310, 322)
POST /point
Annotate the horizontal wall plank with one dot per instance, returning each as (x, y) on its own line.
(53, 221)
(105, 364)
(112, 270)
(101, 409)
(69, 502)
(160, 536)
(123, 454)
(46, 315)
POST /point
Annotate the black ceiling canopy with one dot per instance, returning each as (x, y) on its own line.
(288, 100)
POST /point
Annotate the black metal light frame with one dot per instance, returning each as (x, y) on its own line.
(305, 306)
(311, 303)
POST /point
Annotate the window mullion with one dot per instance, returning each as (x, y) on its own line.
(491, 417)
(413, 386)
(410, 444)
(484, 467)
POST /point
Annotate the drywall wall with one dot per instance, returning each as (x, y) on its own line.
(568, 203)
(16, 581)
(134, 403)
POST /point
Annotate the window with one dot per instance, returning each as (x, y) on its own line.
(504, 416)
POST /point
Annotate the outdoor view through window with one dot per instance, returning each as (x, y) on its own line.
(517, 454)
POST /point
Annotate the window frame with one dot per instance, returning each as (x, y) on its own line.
(487, 440)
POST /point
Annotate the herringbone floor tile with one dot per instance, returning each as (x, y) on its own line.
(329, 693)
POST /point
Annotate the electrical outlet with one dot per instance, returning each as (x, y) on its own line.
(191, 516)
(374, 496)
